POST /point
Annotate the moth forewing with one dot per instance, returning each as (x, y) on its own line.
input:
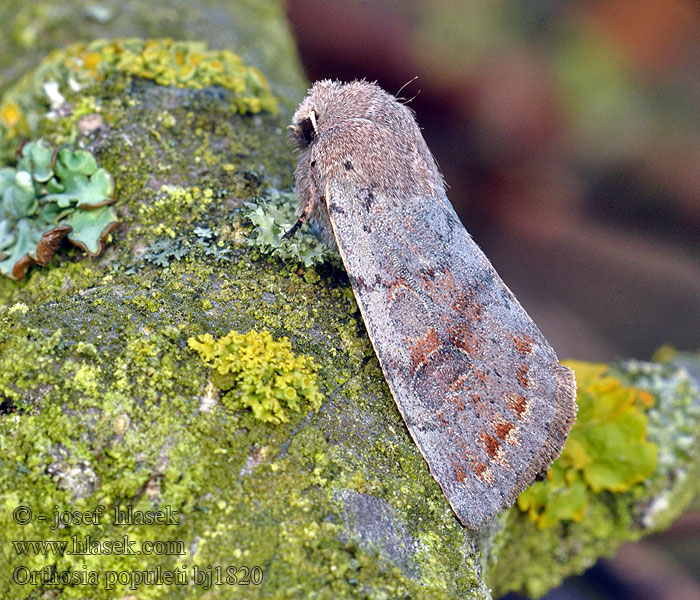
(478, 386)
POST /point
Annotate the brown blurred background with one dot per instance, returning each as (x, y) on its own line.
(569, 135)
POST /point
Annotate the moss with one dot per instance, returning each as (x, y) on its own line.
(260, 373)
(242, 24)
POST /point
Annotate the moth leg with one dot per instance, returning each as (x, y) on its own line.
(300, 221)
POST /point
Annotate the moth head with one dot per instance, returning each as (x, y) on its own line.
(304, 128)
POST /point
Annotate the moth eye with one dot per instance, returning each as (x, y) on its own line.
(307, 128)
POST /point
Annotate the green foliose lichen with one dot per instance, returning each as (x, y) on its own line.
(260, 373)
(47, 196)
(168, 62)
(273, 215)
(607, 449)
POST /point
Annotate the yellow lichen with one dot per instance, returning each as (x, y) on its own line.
(10, 113)
(607, 449)
(260, 373)
(188, 202)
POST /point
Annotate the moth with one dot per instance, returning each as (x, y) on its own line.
(478, 386)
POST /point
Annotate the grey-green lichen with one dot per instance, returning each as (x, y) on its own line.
(674, 417)
(50, 195)
(273, 215)
(673, 425)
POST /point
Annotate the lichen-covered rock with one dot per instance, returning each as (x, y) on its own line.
(40, 93)
(255, 29)
(105, 407)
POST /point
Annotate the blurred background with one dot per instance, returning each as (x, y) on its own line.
(569, 135)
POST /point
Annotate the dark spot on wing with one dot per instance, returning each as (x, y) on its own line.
(360, 283)
(368, 199)
(336, 208)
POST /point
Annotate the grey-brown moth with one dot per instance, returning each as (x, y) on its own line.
(477, 384)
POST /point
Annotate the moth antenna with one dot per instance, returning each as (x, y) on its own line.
(404, 85)
(412, 98)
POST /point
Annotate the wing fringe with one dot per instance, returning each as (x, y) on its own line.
(558, 431)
